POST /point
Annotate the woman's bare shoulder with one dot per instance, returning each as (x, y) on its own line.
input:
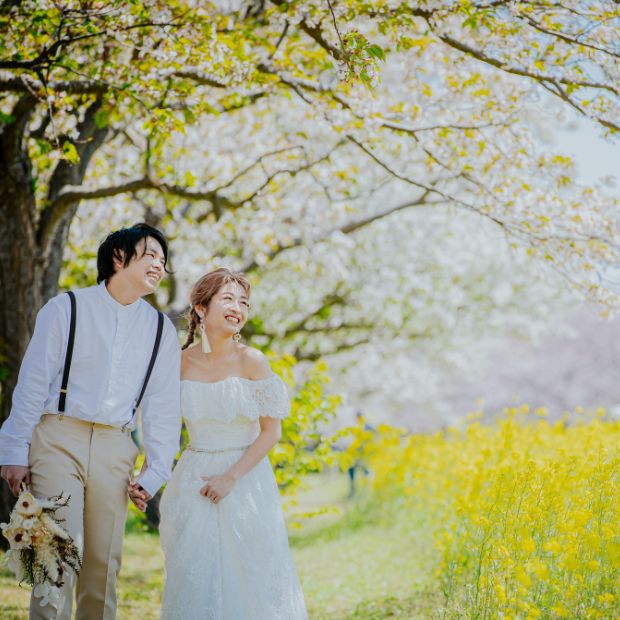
(255, 363)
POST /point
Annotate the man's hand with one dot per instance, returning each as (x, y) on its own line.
(15, 475)
(138, 495)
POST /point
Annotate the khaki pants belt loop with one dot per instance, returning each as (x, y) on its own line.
(62, 417)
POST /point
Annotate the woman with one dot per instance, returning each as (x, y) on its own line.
(222, 527)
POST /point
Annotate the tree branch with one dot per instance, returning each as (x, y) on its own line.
(26, 84)
(428, 188)
(564, 37)
(90, 137)
(46, 55)
(196, 76)
(498, 64)
(313, 356)
(555, 89)
(259, 161)
(280, 39)
(540, 78)
(329, 301)
(73, 193)
(317, 35)
(346, 229)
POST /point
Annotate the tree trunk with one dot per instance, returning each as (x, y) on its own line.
(31, 243)
(20, 264)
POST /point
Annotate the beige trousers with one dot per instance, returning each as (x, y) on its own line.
(92, 463)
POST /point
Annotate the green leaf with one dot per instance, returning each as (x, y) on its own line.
(69, 153)
(6, 119)
(376, 51)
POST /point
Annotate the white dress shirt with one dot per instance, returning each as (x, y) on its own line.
(112, 350)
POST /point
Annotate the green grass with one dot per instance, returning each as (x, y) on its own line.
(352, 566)
(370, 572)
(142, 578)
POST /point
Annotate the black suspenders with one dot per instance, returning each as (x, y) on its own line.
(68, 356)
(149, 370)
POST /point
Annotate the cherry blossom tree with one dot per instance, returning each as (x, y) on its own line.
(292, 137)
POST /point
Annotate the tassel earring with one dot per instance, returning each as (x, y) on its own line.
(204, 341)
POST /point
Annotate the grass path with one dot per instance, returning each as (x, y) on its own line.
(350, 567)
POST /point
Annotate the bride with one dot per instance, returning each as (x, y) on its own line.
(222, 527)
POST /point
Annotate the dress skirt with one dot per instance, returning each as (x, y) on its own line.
(231, 560)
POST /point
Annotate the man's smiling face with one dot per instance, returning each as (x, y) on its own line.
(146, 269)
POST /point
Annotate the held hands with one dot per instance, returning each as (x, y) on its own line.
(138, 495)
(15, 475)
(217, 487)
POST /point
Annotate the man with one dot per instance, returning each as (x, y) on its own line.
(86, 449)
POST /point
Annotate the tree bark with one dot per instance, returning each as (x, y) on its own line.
(20, 264)
(31, 244)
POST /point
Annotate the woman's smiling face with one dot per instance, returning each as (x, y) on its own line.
(228, 309)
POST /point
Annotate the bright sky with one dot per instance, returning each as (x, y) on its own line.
(596, 156)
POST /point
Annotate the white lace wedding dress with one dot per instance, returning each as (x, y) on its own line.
(231, 560)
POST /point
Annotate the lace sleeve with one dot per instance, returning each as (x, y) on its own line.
(271, 397)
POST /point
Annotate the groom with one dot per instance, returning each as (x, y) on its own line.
(73, 435)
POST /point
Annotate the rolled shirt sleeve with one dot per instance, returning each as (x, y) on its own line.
(161, 413)
(42, 363)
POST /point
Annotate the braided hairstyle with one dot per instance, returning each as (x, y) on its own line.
(204, 290)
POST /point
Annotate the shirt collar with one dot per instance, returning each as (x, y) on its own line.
(112, 303)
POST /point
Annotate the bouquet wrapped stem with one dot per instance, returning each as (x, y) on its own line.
(41, 551)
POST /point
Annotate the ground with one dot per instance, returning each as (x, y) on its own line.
(352, 567)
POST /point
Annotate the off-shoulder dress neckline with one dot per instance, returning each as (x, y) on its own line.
(271, 376)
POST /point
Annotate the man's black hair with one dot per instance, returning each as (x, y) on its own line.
(121, 244)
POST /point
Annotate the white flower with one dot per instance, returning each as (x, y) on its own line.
(29, 524)
(18, 538)
(53, 527)
(47, 557)
(48, 594)
(13, 561)
(27, 505)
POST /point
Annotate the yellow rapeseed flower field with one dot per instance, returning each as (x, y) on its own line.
(525, 513)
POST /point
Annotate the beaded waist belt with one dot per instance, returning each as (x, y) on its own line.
(216, 450)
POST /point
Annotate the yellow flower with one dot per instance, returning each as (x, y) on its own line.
(548, 495)
(523, 578)
(500, 592)
(533, 612)
(553, 546)
(529, 546)
(540, 569)
(607, 598)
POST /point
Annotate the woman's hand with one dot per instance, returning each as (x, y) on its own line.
(217, 487)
